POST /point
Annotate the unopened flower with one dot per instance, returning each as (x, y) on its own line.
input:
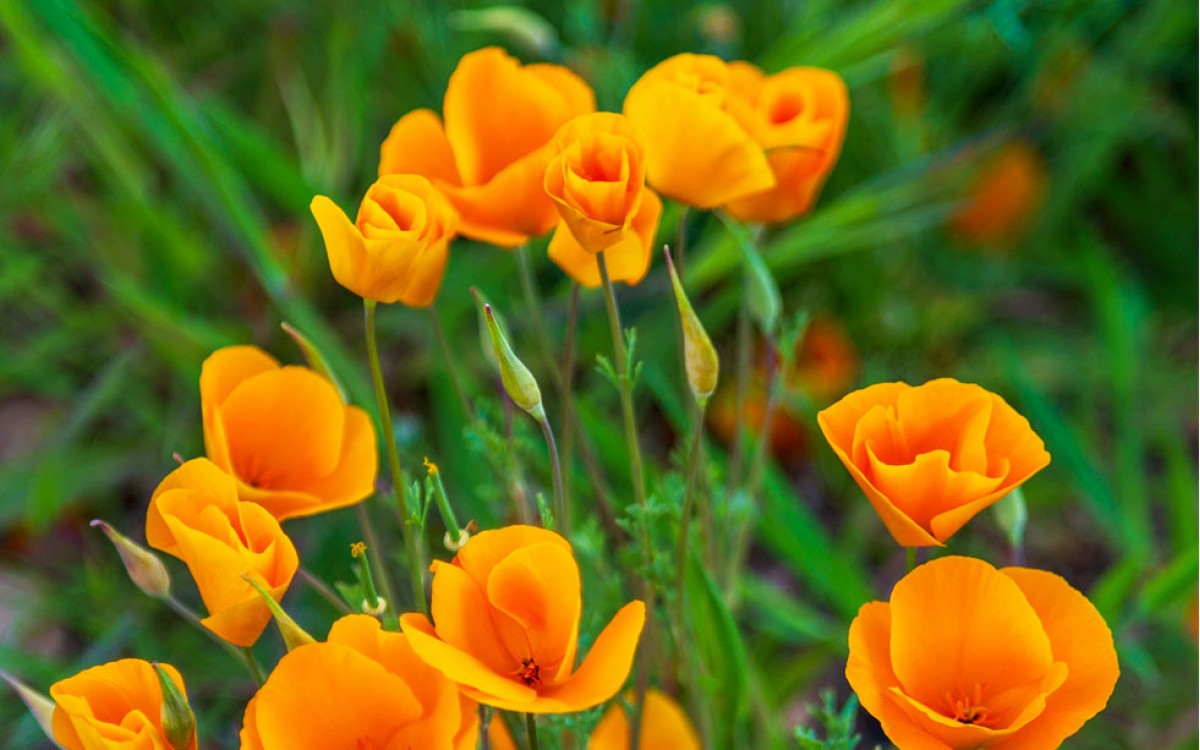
(929, 458)
(396, 250)
(489, 158)
(195, 515)
(506, 625)
(115, 706)
(363, 687)
(284, 434)
(965, 656)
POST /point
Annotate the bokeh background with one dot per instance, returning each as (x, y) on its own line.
(1016, 205)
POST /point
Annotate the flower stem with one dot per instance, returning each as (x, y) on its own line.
(531, 729)
(910, 559)
(688, 500)
(561, 512)
(738, 449)
(568, 371)
(322, 588)
(256, 672)
(415, 575)
(625, 387)
(449, 361)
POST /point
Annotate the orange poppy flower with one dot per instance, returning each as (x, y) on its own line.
(929, 458)
(1003, 198)
(195, 515)
(396, 250)
(489, 158)
(697, 151)
(284, 434)
(664, 724)
(114, 705)
(798, 116)
(362, 687)
(966, 656)
(507, 621)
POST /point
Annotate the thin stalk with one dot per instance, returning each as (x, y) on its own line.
(416, 578)
(375, 567)
(256, 672)
(738, 451)
(688, 500)
(485, 724)
(910, 559)
(568, 372)
(531, 730)
(237, 653)
(560, 504)
(681, 240)
(449, 361)
(534, 307)
(324, 591)
(625, 387)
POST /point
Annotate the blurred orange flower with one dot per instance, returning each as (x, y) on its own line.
(697, 151)
(929, 458)
(362, 687)
(664, 725)
(396, 250)
(1003, 198)
(597, 181)
(489, 158)
(507, 624)
(798, 116)
(966, 656)
(195, 515)
(114, 705)
(284, 434)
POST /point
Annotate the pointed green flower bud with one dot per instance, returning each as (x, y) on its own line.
(518, 381)
(143, 566)
(179, 723)
(699, 354)
(481, 301)
(293, 635)
(313, 356)
(38, 704)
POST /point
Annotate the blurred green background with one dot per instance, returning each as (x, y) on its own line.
(1015, 205)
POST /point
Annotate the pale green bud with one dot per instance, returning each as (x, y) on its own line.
(699, 354)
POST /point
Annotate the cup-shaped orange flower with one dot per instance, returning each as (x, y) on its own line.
(966, 656)
(664, 724)
(284, 434)
(396, 249)
(798, 116)
(195, 515)
(489, 158)
(362, 687)
(697, 151)
(114, 706)
(597, 181)
(930, 457)
(506, 625)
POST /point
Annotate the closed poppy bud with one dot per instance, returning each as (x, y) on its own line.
(195, 516)
(597, 178)
(294, 636)
(664, 724)
(489, 158)
(966, 656)
(396, 250)
(506, 624)
(699, 355)
(362, 687)
(179, 723)
(519, 383)
(929, 458)
(798, 117)
(116, 705)
(697, 151)
(145, 569)
(39, 705)
(284, 434)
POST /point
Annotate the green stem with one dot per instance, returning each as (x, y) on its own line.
(910, 559)
(416, 578)
(561, 512)
(688, 500)
(449, 361)
(568, 372)
(738, 448)
(325, 592)
(529, 290)
(531, 730)
(237, 653)
(256, 672)
(625, 387)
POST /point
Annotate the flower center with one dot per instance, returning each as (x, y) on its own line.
(968, 708)
(530, 673)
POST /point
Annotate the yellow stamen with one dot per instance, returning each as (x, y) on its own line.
(430, 466)
(358, 548)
